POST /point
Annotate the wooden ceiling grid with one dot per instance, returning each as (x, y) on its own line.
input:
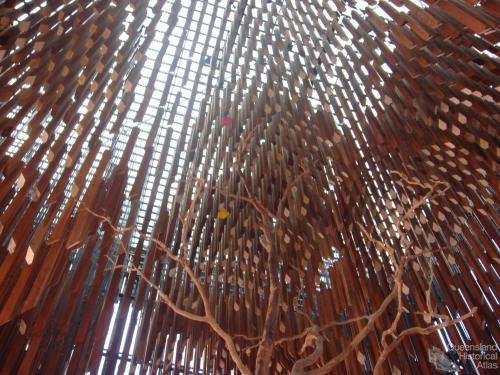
(113, 107)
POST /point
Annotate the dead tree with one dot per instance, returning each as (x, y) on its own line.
(271, 223)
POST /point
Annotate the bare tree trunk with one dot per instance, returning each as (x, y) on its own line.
(264, 353)
(314, 340)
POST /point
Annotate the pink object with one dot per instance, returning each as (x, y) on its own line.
(227, 121)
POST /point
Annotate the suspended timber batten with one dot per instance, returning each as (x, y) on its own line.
(118, 118)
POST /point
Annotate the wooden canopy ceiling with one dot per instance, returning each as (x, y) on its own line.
(372, 124)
